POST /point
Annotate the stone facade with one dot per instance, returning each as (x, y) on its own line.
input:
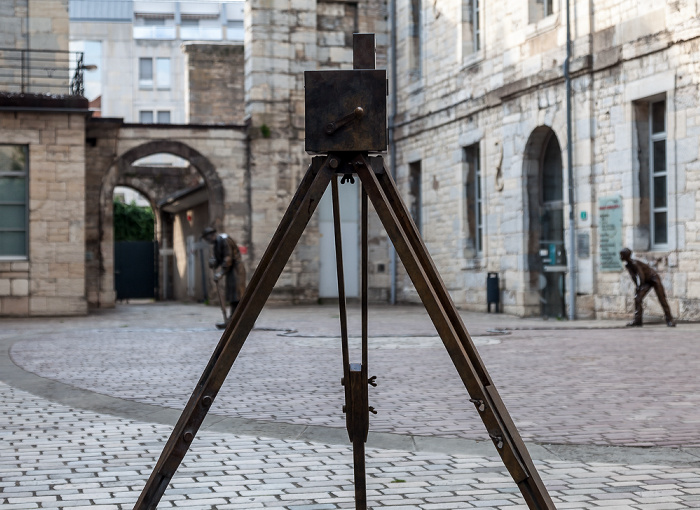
(214, 84)
(508, 98)
(51, 279)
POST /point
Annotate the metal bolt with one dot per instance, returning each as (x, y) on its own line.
(206, 401)
(478, 403)
(342, 381)
(372, 410)
(188, 436)
(333, 163)
(345, 408)
(372, 381)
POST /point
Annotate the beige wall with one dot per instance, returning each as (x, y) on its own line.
(51, 280)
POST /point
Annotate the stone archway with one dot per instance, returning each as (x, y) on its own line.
(123, 172)
(544, 221)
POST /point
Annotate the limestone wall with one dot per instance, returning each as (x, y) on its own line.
(283, 39)
(214, 84)
(51, 280)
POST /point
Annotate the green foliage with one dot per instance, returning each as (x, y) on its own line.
(132, 222)
(265, 130)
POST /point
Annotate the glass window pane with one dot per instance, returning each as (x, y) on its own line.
(13, 189)
(658, 117)
(163, 117)
(163, 73)
(660, 228)
(13, 244)
(12, 158)
(660, 191)
(146, 117)
(659, 156)
(552, 176)
(13, 217)
(145, 69)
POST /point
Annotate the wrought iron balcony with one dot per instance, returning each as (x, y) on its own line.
(42, 72)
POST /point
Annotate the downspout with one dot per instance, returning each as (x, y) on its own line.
(392, 142)
(570, 164)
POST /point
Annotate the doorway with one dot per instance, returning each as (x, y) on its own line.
(348, 194)
(545, 198)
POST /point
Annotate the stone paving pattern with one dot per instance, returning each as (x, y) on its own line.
(55, 455)
(562, 386)
(52, 456)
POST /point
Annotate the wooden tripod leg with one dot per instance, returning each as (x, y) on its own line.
(266, 275)
(396, 219)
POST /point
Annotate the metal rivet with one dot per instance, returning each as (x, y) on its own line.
(333, 163)
(207, 400)
(188, 436)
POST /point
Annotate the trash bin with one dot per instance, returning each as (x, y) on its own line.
(493, 294)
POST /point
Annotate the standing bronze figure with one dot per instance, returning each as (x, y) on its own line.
(645, 278)
(227, 263)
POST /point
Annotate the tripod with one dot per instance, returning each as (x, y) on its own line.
(380, 189)
(331, 131)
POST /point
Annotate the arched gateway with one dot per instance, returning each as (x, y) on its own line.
(175, 192)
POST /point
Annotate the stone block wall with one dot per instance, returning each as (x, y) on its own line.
(283, 39)
(51, 280)
(214, 83)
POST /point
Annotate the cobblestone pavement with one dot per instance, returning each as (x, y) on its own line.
(582, 384)
(53, 456)
(615, 387)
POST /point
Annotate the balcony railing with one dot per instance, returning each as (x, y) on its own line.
(154, 32)
(41, 71)
(200, 33)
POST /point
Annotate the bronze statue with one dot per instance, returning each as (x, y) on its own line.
(645, 278)
(227, 263)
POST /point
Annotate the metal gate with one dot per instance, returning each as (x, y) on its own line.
(135, 274)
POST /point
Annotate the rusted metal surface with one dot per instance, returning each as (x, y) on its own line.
(333, 121)
(363, 51)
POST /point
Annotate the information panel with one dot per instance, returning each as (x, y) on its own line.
(610, 229)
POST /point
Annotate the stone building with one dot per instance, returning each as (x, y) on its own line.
(481, 148)
(42, 165)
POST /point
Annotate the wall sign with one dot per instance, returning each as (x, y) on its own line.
(610, 232)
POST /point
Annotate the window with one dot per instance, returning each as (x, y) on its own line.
(540, 9)
(163, 73)
(471, 27)
(658, 174)
(414, 192)
(146, 73)
(414, 37)
(475, 224)
(651, 219)
(13, 201)
(161, 76)
(146, 117)
(149, 117)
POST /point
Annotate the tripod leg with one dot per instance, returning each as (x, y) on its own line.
(397, 221)
(266, 275)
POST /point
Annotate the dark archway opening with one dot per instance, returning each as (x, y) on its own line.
(545, 200)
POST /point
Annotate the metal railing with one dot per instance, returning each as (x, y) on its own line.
(42, 71)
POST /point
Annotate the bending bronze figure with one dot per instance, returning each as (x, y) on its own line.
(645, 278)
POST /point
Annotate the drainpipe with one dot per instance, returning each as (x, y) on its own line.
(392, 142)
(570, 164)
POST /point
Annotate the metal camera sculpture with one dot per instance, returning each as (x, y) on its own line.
(345, 121)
